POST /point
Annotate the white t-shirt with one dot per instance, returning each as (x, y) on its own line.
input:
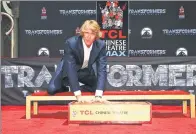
(87, 52)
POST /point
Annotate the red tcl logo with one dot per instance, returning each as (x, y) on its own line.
(86, 112)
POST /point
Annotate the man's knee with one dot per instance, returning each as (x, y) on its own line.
(51, 90)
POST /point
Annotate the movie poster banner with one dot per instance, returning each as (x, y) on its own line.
(24, 76)
(45, 25)
(162, 28)
(112, 16)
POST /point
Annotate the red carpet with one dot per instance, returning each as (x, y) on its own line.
(53, 120)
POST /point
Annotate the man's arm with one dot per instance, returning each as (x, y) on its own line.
(70, 68)
(101, 72)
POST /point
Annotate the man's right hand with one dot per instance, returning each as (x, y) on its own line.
(80, 99)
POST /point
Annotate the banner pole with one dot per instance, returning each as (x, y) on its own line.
(14, 40)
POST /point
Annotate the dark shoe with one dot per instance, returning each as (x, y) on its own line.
(65, 89)
(65, 86)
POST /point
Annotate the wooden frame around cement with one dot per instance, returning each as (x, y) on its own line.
(184, 99)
